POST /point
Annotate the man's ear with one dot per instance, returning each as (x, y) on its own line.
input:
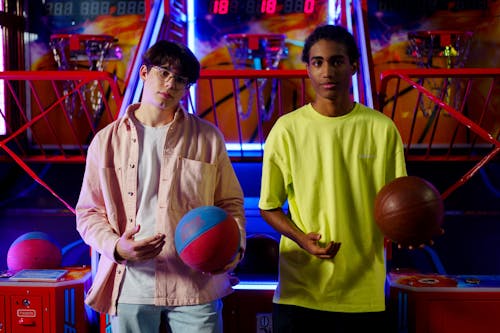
(143, 72)
(355, 67)
(307, 69)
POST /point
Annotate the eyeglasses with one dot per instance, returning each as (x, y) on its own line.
(165, 75)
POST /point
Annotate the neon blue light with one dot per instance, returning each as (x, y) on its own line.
(69, 306)
(256, 285)
(66, 305)
(245, 146)
(355, 77)
(73, 314)
(192, 46)
(364, 54)
(190, 25)
(134, 89)
(257, 63)
(153, 37)
(158, 16)
(334, 11)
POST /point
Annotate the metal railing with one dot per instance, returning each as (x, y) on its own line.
(244, 104)
(51, 116)
(445, 114)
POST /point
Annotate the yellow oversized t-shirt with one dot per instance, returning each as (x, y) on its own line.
(330, 170)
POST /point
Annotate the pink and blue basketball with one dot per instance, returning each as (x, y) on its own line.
(207, 238)
(34, 250)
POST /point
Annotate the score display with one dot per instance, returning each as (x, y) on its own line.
(89, 9)
(261, 7)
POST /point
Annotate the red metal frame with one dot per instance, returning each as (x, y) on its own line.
(254, 39)
(483, 143)
(38, 122)
(400, 92)
(76, 39)
(234, 78)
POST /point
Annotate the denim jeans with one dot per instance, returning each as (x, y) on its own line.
(148, 318)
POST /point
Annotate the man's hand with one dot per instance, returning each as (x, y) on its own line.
(129, 249)
(282, 223)
(311, 244)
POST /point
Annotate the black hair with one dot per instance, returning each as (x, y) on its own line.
(176, 55)
(334, 33)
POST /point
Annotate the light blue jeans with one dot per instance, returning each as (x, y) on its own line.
(147, 318)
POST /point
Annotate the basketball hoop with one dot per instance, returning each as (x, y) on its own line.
(256, 51)
(431, 47)
(70, 50)
(440, 49)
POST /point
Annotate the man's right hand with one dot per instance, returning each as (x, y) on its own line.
(311, 243)
(129, 249)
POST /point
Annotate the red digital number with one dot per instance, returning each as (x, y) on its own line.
(268, 6)
(220, 7)
(309, 6)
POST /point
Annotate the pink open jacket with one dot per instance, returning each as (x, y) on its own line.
(195, 171)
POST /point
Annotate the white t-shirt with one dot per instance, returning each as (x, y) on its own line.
(139, 282)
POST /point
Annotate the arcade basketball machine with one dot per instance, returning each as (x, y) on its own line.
(430, 105)
(36, 304)
(202, 25)
(257, 44)
(250, 56)
(280, 25)
(256, 40)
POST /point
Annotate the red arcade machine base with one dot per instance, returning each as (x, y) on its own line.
(41, 307)
(445, 304)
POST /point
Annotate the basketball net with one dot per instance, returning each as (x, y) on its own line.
(256, 51)
(69, 51)
(440, 49)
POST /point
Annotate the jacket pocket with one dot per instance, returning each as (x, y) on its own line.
(194, 184)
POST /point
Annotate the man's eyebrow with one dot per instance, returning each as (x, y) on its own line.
(316, 58)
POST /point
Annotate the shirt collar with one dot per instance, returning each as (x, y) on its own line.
(126, 120)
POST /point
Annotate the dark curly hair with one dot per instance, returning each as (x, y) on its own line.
(333, 33)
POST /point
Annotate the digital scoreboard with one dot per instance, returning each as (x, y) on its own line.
(261, 7)
(81, 10)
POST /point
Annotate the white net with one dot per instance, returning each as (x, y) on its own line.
(261, 52)
(80, 51)
(440, 49)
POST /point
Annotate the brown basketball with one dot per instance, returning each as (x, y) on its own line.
(409, 211)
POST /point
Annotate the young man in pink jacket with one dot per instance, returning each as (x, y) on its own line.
(143, 172)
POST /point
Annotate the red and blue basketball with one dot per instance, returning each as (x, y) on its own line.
(34, 250)
(207, 238)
